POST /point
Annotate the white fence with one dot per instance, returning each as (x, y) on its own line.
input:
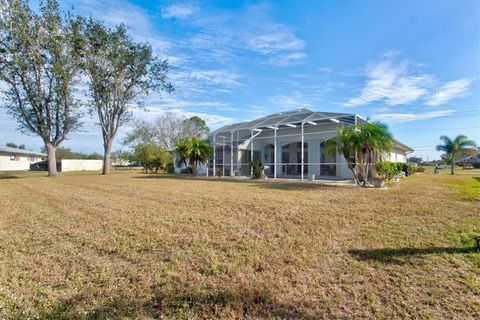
(81, 165)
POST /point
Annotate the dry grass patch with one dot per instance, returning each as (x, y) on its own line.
(145, 246)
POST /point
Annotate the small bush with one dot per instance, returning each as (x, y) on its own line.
(170, 168)
(399, 166)
(387, 170)
(257, 167)
(413, 169)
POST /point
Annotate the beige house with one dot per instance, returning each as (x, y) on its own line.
(13, 159)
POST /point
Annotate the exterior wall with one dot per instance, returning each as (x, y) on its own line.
(397, 156)
(81, 165)
(13, 162)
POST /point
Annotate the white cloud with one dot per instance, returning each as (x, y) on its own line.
(172, 102)
(113, 12)
(226, 36)
(178, 11)
(392, 84)
(213, 120)
(404, 117)
(295, 100)
(275, 39)
(288, 59)
(398, 83)
(450, 90)
(216, 77)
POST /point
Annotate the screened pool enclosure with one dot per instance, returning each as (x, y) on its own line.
(290, 144)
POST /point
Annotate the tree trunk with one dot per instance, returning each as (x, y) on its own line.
(107, 156)
(355, 175)
(194, 168)
(452, 165)
(51, 159)
(367, 163)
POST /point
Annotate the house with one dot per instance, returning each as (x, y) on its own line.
(291, 144)
(13, 159)
(469, 161)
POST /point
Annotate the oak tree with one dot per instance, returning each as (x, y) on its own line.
(39, 65)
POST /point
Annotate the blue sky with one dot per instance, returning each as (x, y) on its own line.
(412, 64)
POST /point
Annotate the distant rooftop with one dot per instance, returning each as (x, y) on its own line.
(22, 151)
(288, 118)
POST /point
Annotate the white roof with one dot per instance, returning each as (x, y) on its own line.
(21, 151)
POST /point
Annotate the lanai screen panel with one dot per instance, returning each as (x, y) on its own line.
(296, 118)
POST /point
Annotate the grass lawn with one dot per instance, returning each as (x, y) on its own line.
(143, 246)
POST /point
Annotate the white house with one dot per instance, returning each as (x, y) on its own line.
(13, 159)
(291, 144)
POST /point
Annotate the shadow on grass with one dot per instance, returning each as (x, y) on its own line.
(191, 303)
(8, 176)
(406, 255)
(267, 184)
(476, 178)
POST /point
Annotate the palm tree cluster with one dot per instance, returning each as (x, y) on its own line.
(362, 145)
(191, 152)
(454, 147)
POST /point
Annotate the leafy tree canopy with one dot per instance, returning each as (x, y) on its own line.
(454, 147)
(193, 151)
(39, 65)
(120, 72)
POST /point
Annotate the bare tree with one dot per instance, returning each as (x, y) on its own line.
(169, 129)
(120, 72)
(38, 63)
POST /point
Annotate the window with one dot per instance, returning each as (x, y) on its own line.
(330, 159)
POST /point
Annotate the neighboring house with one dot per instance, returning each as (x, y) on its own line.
(13, 159)
(469, 161)
(291, 144)
(399, 152)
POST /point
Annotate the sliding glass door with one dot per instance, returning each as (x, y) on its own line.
(328, 160)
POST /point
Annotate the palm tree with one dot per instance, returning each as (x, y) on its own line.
(192, 152)
(452, 147)
(360, 144)
(376, 140)
(348, 143)
(363, 142)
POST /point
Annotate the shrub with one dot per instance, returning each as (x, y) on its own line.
(387, 170)
(151, 157)
(413, 169)
(170, 168)
(476, 165)
(257, 167)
